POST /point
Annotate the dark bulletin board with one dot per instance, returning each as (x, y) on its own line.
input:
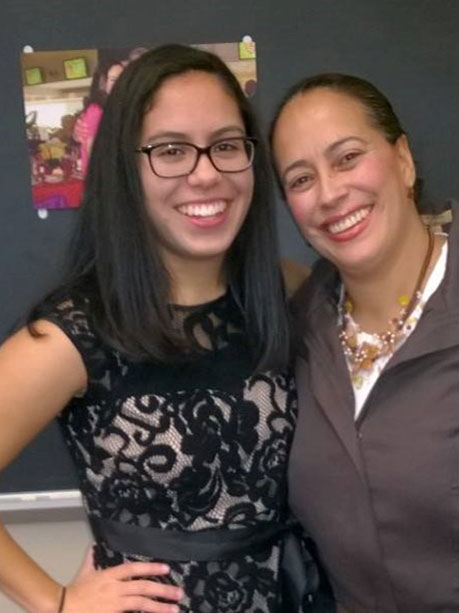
(410, 49)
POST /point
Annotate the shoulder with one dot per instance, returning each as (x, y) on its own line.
(318, 286)
(46, 355)
(313, 307)
(73, 314)
(93, 113)
(69, 311)
(39, 375)
(90, 116)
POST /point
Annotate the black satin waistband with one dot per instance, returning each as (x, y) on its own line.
(176, 545)
(298, 572)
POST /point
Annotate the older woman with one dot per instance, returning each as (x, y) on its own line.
(374, 472)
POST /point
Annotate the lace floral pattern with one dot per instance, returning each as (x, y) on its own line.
(185, 447)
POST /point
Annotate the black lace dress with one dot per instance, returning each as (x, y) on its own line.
(186, 448)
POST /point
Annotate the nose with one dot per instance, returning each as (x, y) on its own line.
(205, 172)
(332, 187)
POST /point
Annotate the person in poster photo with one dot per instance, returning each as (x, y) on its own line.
(164, 353)
(88, 121)
(374, 473)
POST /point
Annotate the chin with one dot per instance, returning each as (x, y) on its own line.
(205, 254)
(355, 262)
(211, 251)
(358, 266)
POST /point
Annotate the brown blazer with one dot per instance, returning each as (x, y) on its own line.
(380, 496)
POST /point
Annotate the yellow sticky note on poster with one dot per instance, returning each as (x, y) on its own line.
(75, 68)
(247, 50)
(33, 76)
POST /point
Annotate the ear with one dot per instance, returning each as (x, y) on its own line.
(405, 161)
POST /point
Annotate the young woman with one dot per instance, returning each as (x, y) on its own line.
(167, 345)
(374, 473)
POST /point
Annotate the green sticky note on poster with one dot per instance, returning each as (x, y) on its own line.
(33, 76)
(247, 50)
(75, 68)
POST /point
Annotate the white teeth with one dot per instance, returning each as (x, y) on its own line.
(349, 221)
(202, 210)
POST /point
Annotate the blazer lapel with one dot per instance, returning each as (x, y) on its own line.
(330, 381)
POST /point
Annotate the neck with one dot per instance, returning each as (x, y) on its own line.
(196, 281)
(375, 296)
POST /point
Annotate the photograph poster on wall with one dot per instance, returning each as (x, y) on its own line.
(64, 97)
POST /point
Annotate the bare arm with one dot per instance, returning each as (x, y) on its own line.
(38, 377)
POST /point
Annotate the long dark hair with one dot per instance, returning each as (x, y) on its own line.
(114, 258)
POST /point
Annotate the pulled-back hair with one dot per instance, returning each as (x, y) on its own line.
(114, 257)
(377, 106)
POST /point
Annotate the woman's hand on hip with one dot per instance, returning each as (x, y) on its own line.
(122, 588)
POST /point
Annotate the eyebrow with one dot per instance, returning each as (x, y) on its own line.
(330, 149)
(183, 136)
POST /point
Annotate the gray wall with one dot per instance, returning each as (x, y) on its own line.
(57, 544)
(409, 48)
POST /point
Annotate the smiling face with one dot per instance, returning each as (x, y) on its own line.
(196, 216)
(346, 185)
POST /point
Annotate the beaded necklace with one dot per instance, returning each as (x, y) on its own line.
(362, 356)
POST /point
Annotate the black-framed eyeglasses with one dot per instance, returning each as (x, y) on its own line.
(179, 159)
